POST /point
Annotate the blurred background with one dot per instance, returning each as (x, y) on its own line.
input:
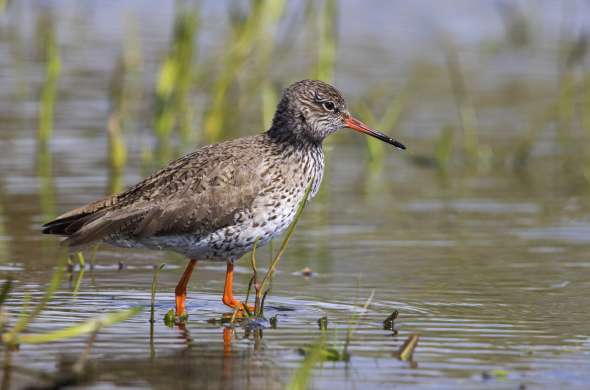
(488, 208)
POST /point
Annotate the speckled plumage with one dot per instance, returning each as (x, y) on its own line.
(245, 197)
(215, 202)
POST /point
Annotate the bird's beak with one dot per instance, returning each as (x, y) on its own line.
(355, 124)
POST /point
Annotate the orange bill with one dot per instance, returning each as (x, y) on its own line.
(355, 124)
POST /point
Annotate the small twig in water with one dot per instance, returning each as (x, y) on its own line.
(406, 351)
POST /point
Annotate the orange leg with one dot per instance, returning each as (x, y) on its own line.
(228, 296)
(180, 290)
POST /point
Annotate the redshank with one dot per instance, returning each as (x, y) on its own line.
(215, 203)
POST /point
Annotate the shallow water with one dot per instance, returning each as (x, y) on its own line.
(490, 268)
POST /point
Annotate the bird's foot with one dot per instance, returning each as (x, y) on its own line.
(181, 318)
(242, 310)
(180, 314)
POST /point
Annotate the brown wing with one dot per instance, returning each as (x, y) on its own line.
(196, 194)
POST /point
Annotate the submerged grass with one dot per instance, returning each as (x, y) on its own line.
(154, 290)
(14, 336)
(320, 351)
(81, 271)
(355, 320)
(26, 318)
(90, 326)
(302, 376)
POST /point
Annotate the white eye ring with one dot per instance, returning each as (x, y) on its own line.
(329, 106)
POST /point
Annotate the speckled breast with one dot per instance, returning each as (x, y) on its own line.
(272, 211)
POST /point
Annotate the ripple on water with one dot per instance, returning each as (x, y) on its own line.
(575, 233)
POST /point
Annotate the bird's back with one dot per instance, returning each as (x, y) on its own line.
(216, 198)
(196, 193)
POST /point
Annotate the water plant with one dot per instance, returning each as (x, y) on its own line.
(262, 289)
(464, 102)
(443, 148)
(313, 356)
(320, 350)
(81, 270)
(49, 89)
(174, 108)
(47, 100)
(124, 95)
(153, 292)
(247, 32)
(44, 165)
(15, 335)
(388, 121)
(326, 41)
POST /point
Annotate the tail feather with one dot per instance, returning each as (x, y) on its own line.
(73, 222)
(79, 229)
(92, 232)
(62, 226)
(98, 226)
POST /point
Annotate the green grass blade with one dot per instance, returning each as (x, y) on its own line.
(283, 246)
(301, 377)
(90, 326)
(6, 287)
(154, 290)
(24, 321)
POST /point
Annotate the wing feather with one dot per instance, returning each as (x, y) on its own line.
(197, 194)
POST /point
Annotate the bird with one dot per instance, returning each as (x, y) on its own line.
(219, 201)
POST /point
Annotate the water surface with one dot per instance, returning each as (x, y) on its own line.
(490, 267)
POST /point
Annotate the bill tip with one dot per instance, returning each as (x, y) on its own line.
(399, 145)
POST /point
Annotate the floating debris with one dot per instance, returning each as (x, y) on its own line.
(494, 374)
(323, 323)
(406, 351)
(273, 322)
(306, 272)
(388, 323)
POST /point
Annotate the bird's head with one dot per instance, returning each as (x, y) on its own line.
(314, 109)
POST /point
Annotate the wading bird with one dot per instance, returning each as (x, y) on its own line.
(216, 202)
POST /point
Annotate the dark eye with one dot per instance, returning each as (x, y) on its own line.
(328, 106)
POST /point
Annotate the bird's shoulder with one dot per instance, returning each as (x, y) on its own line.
(227, 164)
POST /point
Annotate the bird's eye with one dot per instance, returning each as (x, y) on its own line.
(328, 106)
